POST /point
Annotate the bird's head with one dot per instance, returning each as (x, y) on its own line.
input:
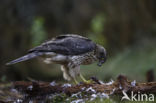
(101, 55)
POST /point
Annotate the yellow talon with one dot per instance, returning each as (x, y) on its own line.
(84, 80)
(81, 76)
(76, 82)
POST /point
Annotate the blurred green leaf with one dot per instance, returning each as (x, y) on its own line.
(37, 31)
(97, 28)
(97, 24)
(3, 78)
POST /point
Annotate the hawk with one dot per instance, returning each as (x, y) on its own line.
(70, 51)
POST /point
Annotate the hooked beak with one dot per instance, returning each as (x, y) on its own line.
(101, 62)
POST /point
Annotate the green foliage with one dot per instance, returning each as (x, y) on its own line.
(115, 99)
(99, 100)
(97, 28)
(57, 99)
(97, 24)
(3, 78)
(37, 31)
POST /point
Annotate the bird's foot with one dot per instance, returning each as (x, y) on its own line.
(86, 81)
(75, 81)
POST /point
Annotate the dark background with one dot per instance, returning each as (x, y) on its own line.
(126, 28)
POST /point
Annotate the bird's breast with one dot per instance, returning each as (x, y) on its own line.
(85, 59)
(88, 60)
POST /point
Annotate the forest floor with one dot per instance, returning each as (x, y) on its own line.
(96, 91)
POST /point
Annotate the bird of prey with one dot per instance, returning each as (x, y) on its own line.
(70, 51)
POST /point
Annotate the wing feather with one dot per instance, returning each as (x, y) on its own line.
(67, 45)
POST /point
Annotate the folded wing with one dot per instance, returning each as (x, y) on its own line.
(66, 45)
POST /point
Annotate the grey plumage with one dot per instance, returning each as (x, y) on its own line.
(67, 45)
(70, 51)
(26, 57)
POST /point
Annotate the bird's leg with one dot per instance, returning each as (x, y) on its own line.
(76, 82)
(81, 76)
(84, 80)
(74, 71)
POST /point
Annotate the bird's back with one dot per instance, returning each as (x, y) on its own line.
(67, 45)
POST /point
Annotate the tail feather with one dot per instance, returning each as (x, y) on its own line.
(24, 58)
